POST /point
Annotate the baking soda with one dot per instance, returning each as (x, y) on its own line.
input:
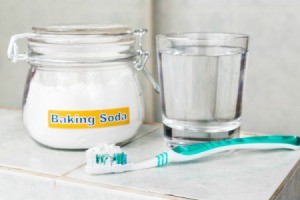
(87, 91)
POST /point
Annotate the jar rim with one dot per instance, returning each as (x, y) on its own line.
(83, 29)
(81, 43)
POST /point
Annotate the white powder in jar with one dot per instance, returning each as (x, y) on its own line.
(96, 88)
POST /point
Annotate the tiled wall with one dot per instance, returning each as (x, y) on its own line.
(271, 101)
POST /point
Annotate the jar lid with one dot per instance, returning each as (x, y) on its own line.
(91, 29)
(81, 43)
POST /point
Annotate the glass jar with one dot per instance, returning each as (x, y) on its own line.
(82, 87)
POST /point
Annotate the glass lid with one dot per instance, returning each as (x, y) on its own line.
(89, 43)
(91, 29)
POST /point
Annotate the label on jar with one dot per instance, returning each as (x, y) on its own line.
(78, 119)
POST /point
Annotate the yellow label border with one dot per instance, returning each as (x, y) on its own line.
(83, 119)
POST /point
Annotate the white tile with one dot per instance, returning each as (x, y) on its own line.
(15, 186)
(144, 130)
(233, 175)
(66, 189)
(20, 151)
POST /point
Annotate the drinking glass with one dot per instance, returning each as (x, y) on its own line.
(201, 82)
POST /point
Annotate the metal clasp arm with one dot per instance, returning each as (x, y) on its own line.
(142, 60)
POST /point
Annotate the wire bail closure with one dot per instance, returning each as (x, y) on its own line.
(13, 48)
(140, 64)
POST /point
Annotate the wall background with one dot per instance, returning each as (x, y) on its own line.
(272, 98)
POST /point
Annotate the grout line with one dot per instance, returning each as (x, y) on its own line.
(10, 108)
(287, 179)
(140, 135)
(124, 144)
(55, 178)
(27, 172)
(248, 133)
(147, 86)
(157, 111)
(70, 171)
(152, 123)
(121, 188)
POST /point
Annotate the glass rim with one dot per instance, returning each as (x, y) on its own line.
(202, 36)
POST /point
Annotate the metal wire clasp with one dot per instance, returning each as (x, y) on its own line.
(143, 56)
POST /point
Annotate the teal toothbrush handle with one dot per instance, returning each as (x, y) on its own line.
(288, 141)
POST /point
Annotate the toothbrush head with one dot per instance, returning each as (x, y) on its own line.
(107, 155)
(105, 158)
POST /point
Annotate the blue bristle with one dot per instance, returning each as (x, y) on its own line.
(101, 158)
(105, 155)
(118, 158)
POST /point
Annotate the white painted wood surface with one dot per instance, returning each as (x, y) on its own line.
(31, 171)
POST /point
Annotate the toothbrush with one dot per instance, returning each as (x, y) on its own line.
(105, 159)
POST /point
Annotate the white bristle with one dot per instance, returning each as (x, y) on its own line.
(102, 149)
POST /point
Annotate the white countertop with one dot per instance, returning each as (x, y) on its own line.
(31, 171)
